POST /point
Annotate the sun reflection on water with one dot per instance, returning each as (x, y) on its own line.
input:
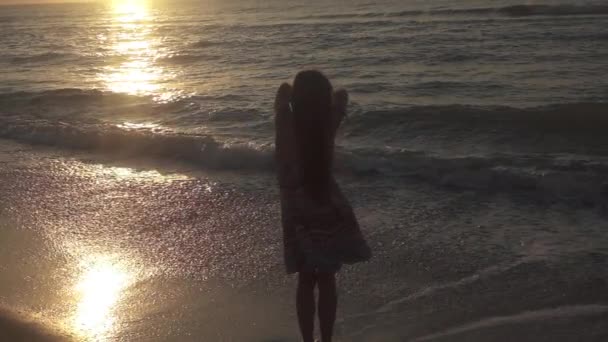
(99, 290)
(136, 48)
(134, 126)
(130, 10)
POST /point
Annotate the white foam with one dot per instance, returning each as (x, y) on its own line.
(526, 316)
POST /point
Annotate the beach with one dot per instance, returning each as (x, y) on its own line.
(138, 195)
(104, 249)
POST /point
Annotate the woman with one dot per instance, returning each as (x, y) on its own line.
(320, 231)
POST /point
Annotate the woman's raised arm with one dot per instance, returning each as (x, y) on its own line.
(338, 112)
(284, 135)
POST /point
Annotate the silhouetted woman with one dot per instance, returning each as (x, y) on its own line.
(320, 231)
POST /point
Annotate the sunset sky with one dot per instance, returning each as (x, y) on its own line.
(2, 2)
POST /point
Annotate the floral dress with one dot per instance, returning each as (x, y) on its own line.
(316, 237)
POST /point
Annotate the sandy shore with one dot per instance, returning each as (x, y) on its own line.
(141, 251)
(18, 328)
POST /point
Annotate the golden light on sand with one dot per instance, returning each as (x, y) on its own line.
(99, 290)
(133, 175)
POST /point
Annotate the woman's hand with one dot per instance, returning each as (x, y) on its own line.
(281, 101)
(284, 131)
(338, 112)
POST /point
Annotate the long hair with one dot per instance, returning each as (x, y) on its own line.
(311, 103)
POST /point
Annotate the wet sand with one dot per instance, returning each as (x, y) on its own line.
(14, 328)
(135, 250)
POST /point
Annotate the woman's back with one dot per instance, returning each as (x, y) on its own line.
(316, 216)
(320, 231)
(311, 107)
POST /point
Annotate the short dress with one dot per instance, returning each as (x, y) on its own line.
(316, 237)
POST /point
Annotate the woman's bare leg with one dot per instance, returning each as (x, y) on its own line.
(305, 303)
(328, 304)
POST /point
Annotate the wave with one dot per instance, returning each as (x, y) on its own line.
(23, 100)
(544, 314)
(582, 180)
(570, 127)
(571, 115)
(560, 150)
(81, 106)
(41, 58)
(127, 142)
(581, 124)
(559, 10)
(573, 179)
(205, 43)
(65, 95)
(510, 11)
(188, 58)
(531, 10)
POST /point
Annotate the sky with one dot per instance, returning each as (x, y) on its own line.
(2, 2)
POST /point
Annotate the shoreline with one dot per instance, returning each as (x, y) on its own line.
(202, 249)
(17, 327)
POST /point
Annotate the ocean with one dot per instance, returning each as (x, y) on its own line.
(138, 200)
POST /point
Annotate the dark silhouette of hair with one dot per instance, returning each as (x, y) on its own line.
(311, 102)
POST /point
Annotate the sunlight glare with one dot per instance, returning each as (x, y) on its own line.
(136, 49)
(133, 126)
(130, 174)
(99, 290)
(130, 10)
(133, 78)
